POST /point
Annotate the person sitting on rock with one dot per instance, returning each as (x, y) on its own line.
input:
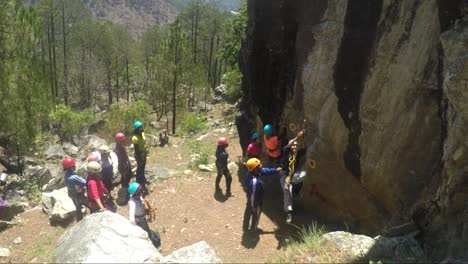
(137, 213)
(163, 138)
(254, 150)
(98, 195)
(107, 165)
(291, 176)
(222, 166)
(75, 186)
(125, 167)
(253, 208)
(272, 143)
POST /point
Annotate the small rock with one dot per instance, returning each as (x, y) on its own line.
(17, 241)
(33, 260)
(188, 172)
(201, 137)
(204, 167)
(200, 178)
(183, 229)
(4, 252)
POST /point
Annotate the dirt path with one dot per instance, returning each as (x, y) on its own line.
(188, 211)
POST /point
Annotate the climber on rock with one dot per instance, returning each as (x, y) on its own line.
(254, 150)
(137, 212)
(75, 185)
(222, 166)
(253, 208)
(291, 175)
(272, 144)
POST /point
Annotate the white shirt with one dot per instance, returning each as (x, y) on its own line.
(135, 208)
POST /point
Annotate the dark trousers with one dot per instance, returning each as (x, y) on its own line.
(251, 213)
(140, 172)
(78, 202)
(125, 176)
(153, 235)
(227, 174)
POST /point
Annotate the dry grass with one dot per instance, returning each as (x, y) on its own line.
(312, 248)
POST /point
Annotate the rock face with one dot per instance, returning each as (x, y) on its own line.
(380, 87)
(106, 238)
(400, 249)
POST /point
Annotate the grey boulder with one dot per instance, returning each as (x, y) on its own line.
(199, 252)
(58, 206)
(54, 152)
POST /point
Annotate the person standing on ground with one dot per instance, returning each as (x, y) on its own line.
(271, 143)
(107, 166)
(139, 143)
(254, 150)
(163, 138)
(125, 167)
(253, 208)
(97, 192)
(137, 213)
(291, 176)
(75, 186)
(222, 166)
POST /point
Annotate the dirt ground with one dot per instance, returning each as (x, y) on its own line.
(188, 212)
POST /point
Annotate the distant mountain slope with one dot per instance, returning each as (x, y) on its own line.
(136, 15)
(227, 4)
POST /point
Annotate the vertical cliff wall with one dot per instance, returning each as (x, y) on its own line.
(382, 86)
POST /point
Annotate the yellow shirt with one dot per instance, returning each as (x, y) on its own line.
(140, 141)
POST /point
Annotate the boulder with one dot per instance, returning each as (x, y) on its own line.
(204, 167)
(4, 252)
(58, 206)
(95, 126)
(92, 143)
(151, 140)
(199, 252)
(106, 238)
(70, 149)
(44, 175)
(57, 181)
(11, 207)
(54, 152)
(5, 224)
(400, 249)
(220, 93)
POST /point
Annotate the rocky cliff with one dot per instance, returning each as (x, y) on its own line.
(381, 88)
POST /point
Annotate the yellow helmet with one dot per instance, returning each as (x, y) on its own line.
(94, 167)
(252, 164)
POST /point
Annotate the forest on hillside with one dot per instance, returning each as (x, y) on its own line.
(59, 67)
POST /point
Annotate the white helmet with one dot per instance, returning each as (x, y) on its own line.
(104, 149)
(94, 167)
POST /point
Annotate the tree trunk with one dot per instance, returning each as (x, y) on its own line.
(54, 57)
(210, 56)
(109, 84)
(51, 70)
(117, 83)
(128, 79)
(65, 70)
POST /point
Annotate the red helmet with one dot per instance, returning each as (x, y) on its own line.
(68, 163)
(222, 141)
(92, 157)
(120, 137)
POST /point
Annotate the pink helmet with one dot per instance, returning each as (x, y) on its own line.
(120, 137)
(92, 157)
(222, 141)
(68, 163)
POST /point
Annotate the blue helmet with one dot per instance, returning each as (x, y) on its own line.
(133, 188)
(268, 129)
(137, 124)
(255, 135)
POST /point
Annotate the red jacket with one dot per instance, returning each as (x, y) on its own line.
(96, 189)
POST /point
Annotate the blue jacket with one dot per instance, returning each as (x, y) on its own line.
(255, 187)
(75, 184)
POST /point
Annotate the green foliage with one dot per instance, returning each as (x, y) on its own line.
(31, 187)
(122, 116)
(235, 29)
(69, 122)
(200, 154)
(232, 80)
(192, 123)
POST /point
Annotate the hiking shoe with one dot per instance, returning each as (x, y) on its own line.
(218, 190)
(289, 218)
(229, 194)
(257, 230)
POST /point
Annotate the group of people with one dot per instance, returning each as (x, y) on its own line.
(94, 192)
(287, 157)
